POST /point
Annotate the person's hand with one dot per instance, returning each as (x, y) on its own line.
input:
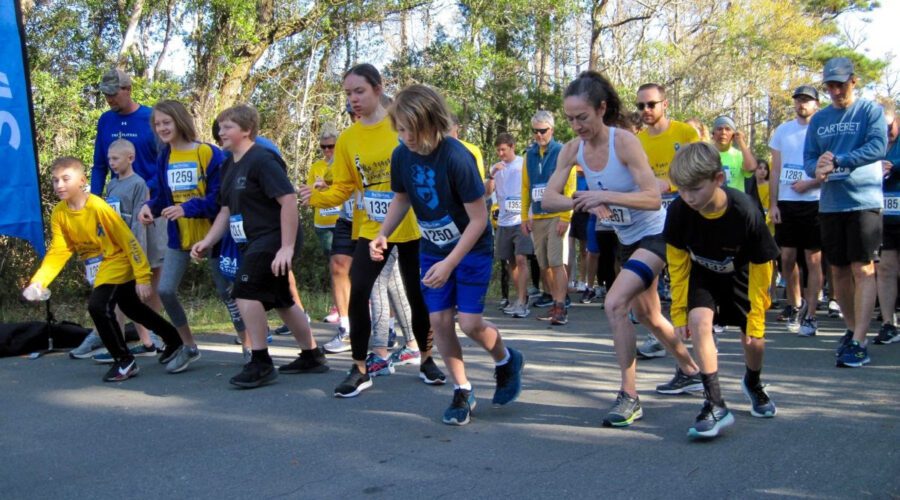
(803, 185)
(664, 186)
(602, 212)
(527, 225)
(740, 139)
(438, 274)
(561, 228)
(683, 332)
(886, 168)
(496, 168)
(775, 214)
(172, 213)
(377, 247)
(281, 264)
(198, 251)
(584, 201)
(143, 291)
(824, 165)
(320, 184)
(303, 194)
(35, 292)
(145, 215)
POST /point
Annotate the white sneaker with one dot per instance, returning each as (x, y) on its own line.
(651, 348)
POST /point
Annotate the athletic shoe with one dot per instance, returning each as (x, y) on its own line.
(834, 310)
(139, 350)
(710, 421)
(843, 342)
(624, 412)
(91, 345)
(601, 293)
(339, 343)
(122, 370)
(547, 315)
(168, 354)
(355, 383)
(887, 335)
(651, 348)
(545, 300)
(761, 404)
(503, 304)
(533, 292)
(430, 373)
(568, 302)
(185, 356)
(854, 355)
(269, 336)
(808, 327)
(793, 320)
(509, 379)
(462, 406)
(681, 383)
(588, 295)
(406, 356)
(510, 307)
(785, 313)
(560, 316)
(520, 311)
(309, 361)
(247, 355)
(333, 316)
(377, 366)
(281, 330)
(718, 329)
(255, 374)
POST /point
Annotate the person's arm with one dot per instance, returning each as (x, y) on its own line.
(555, 197)
(749, 164)
(812, 152)
(568, 192)
(121, 237)
(526, 191)
(206, 207)
(215, 233)
(397, 210)
(138, 197)
(758, 292)
(873, 149)
(438, 274)
(629, 151)
(57, 254)
(100, 169)
(281, 265)
(345, 180)
(679, 262)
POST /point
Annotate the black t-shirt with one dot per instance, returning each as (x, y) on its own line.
(724, 245)
(249, 190)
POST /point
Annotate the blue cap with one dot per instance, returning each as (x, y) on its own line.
(806, 90)
(837, 69)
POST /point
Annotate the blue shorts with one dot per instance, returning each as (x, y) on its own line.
(465, 288)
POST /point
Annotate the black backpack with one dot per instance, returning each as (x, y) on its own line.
(17, 339)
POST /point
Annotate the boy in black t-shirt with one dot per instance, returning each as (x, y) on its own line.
(720, 256)
(259, 208)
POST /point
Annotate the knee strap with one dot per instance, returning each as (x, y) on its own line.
(642, 270)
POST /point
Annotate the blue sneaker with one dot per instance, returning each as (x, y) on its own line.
(509, 379)
(377, 366)
(461, 408)
(761, 405)
(853, 355)
(711, 420)
(843, 342)
(545, 300)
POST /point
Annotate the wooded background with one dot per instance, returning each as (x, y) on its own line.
(496, 61)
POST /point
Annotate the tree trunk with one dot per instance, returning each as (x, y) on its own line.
(131, 31)
(597, 10)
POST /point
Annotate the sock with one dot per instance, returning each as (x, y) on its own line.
(711, 388)
(752, 377)
(505, 358)
(467, 386)
(261, 356)
(345, 322)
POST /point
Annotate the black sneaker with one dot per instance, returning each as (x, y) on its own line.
(122, 370)
(761, 405)
(355, 383)
(710, 421)
(843, 342)
(430, 373)
(282, 330)
(588, 295)
(462, 406)
(624, 412)
(168, 354)
(309, 361)
(681, 383)
(786, 313)
(887, 335)
(255, 374)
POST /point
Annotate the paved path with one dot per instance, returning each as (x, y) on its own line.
(65, 434)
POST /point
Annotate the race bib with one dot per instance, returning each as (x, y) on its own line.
(441, 232)
(182, 176)
(537, 192)
(91, 267)
(727, 174)
(892, 203)
(838, 174)
(667, 200)
(236, 225)
(513, 205)
(115, 203)
(377, 203)
(791, 173)
(328, 212)
(621, 216)
(722, 267)
(348, 207)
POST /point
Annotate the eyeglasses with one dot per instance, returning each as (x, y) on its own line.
(326, 146)
(541, 131)
(648, 104)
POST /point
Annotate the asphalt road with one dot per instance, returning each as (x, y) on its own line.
(66, 434)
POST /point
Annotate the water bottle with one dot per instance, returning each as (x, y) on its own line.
(36, 293)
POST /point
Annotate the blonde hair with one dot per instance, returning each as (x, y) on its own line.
(183, 120)
(694, 164)
(121, 144)
(242, 115)
(421, 110)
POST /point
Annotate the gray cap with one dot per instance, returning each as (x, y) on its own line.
(113, 80)
(837, 69)
(806, 90)
(724, 121)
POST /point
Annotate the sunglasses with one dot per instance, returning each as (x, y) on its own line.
(541, 131)
(648, 105)
(326, 146)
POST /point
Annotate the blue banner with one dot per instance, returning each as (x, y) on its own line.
(20, 197)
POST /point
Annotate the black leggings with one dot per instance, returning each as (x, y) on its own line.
(102, 307)
(363, 273)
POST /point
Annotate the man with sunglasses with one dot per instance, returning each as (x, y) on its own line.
(845, 145)
(661, 138)
(549, 231)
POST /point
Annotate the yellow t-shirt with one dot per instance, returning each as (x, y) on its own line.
(95, 231)
(323, 217)
(476, 152)
(661, 148)
(191, 230)
(763, 190)
(362, 161)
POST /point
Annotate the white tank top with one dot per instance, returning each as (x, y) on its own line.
(630, 224)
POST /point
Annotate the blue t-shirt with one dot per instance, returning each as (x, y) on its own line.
(438, 186)
(892, 186)
(136, 128)
(857, 136)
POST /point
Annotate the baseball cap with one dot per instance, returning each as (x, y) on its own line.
(806, 90)
(113, 80)
(724, 120)
(837, 69)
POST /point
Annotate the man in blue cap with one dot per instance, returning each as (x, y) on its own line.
(845, 145)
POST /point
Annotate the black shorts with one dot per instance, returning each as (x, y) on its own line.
(799, 226)
(255, 281)
(849, 237)
(578, 226)
(655, 243)
(342, 242)
(725, 294)
(890, 237)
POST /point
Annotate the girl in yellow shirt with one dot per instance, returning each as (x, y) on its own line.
(115, 265)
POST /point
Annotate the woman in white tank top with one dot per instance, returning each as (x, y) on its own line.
(623, 191)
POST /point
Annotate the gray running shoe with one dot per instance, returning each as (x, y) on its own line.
(183, 358)
(520, 311)
(624, 412)
(681, 383)
(711, 420)
(651, 348)
(761, 405)
(887, 335)
(339, 343)
(91, 346)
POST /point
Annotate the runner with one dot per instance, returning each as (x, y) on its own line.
(738, 162)
(890, 244)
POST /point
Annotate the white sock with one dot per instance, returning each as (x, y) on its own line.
(345, 322)
(467, 386)
(505, 358)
